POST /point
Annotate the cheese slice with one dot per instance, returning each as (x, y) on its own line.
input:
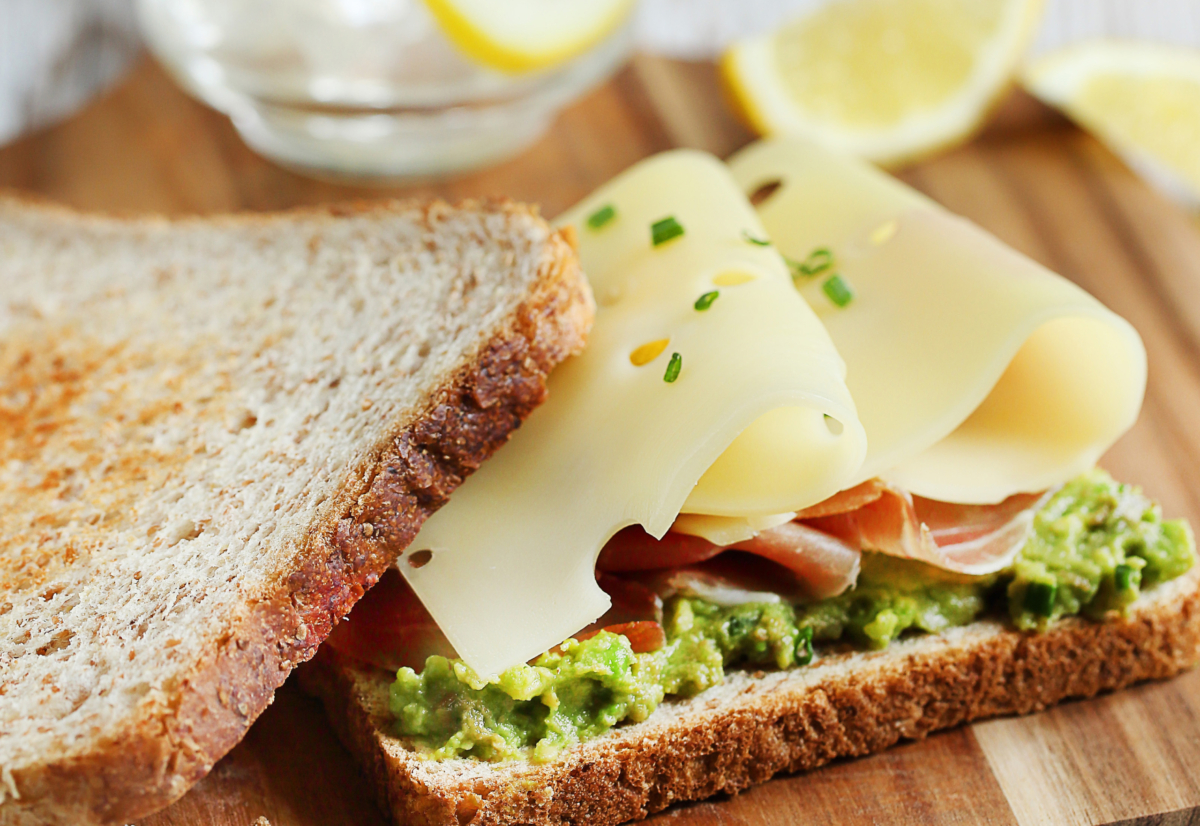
(728, 530)
(757, 422)
(976, 372)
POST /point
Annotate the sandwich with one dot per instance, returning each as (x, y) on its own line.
(823, 479)
(216, 434)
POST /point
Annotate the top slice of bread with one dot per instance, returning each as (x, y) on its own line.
(214, 435)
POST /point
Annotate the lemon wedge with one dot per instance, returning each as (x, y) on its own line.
(525, 35)
(888, 80)
(1142, 99)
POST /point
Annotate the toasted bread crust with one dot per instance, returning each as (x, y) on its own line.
(756, 726)
(384, 504)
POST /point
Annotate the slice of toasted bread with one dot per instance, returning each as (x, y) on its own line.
(214, 435)
(757, 725)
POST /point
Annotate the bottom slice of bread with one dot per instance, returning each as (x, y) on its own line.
(757, 725)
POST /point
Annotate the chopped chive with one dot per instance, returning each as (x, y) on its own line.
(601, 216)
(804, 646)
(838, 290)
(663, 231)
(1125, 577)
(705, 301)
(760, 242)
(1039, 598)
(817, 262)
(673, 368)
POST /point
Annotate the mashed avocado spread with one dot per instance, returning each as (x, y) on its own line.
(1095, 544)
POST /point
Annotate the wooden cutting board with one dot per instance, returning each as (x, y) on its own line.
(1031, 178)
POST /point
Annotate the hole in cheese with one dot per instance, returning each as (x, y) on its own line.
(883, 233)
(419, 559)
(764, 192)
(732, 279)
(835, 427)
(610, 295)
(648, 352)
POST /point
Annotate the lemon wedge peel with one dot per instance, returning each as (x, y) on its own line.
(765, 97)
(1141, 99)
(520, 36)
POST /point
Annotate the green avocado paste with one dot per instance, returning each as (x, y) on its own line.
(1094, 546)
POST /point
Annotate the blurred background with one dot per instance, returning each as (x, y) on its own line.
(56, 55)
(701, 29)
(387, 90)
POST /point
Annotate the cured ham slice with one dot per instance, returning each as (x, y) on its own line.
(632, 549)
(644, 636)
(390, 628)
(823, 563)
(847, 500)
(967, 539)
(822, 547)
(635, 613)
(725, 581)
(632, 602)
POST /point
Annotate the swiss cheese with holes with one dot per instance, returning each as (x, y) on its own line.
(976, 372)
(708, 385)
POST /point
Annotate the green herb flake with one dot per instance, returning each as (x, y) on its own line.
(665, 230)
(837, 290)
(1126, 577)
(804, 646)
(1039, 598)
(673, 368)
(818, 261)
(705, 301)
(601, 216)
(758, 242)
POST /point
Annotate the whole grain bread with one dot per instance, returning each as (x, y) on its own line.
(214, 435)
(755, 726)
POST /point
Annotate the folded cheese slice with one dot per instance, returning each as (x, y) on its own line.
(757, 421)
(976, 372)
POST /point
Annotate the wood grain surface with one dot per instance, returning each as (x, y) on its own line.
(1031, 178)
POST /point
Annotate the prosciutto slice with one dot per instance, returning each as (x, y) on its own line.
(390, 628)
(632, 549)
(820, 552)
(644, 636)
(822, 547)
(826, 564)
(823, 563)
(635, 613)
(967, 539)
(729, 579)
(847, 500)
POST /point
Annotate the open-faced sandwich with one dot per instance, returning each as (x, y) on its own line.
(824, 478)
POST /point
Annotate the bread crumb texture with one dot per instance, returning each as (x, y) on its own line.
(214, 434)
(757, 725)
